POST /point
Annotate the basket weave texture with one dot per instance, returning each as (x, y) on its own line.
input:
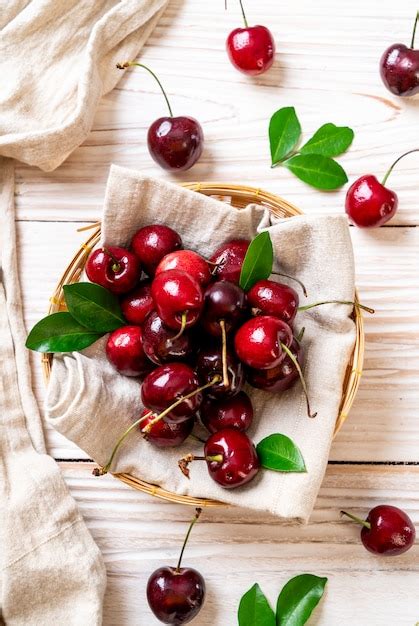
(238, 196)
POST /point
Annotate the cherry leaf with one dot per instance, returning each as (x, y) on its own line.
(317, 170)
(254, 609)
(279, 453)
(298, 598)
(258, 262)
(60, 332)
(94, 307)
(284, 133)
(329, 140)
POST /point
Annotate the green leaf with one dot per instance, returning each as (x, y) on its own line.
(284, 133)
(279, 453)
(60, 332)
(298, 599)
(329, 140)
(317, 170)
(254, 609)
(258, 262)
(94, 307)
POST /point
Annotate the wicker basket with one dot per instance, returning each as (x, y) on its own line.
(239, 197)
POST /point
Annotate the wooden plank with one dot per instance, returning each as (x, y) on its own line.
(138, 533)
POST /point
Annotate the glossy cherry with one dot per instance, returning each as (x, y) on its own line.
(187, 261)
(251, 49)
(279, 378)
(235, 412)
(399, 67)
(137, 304)
(387, 530)
(163, 344)
(178, 298)
(165, 435)
(228, 259)
(268, 297)
(125, 351)
(258, 341)
(151, 243)
(223, 301)
(176, 594)
(210, 363)
(114, 268)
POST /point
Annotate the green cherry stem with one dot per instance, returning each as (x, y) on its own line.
(226, 382)
(123, 66)
(116, 264)
(191, 525)
(306, 307)
(244, 14)
(412, 43)
(294, 279)
(397, 160)
(300, 374)
(188, 458)
(182, 327)
(358, 520)
(300, 335)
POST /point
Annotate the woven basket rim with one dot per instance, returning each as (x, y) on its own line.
(240, 196)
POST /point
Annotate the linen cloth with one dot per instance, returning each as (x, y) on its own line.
(91, 404)
(57, 58)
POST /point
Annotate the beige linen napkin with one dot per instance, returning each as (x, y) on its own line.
(91, 404)
(57, 58)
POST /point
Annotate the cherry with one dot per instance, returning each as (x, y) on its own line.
(176, 594)
(151, 243)
(186, 261)
(175, 143)
(165, 435)
(369, 203)
(178, 298)
(231, 458)
(114, 268)
(267, 297)
(387, 530)
(137, 304)
(279, 378)
(223, 301)
(251, 49)
(259, 341)
(124, 350)
(210, 363)
(399, 67)
(228, 259)
(235, 412)
(167, 384)
(162, 344)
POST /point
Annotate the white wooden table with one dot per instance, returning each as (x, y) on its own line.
(326, 66)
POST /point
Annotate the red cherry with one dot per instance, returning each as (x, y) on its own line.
(152, 243)
(178, 298)
(162, 344)
(138, 304)
(251, 49)
(399, 67)
(114, 268)
(124, 350)
(187, 261)
(175, 143)
(279, 378)
(229, 260)
(258, 341)
(165, 435)
(387, 530)
(369, 204)
(267, 297)
(210, 363)
(236, 412)
(223, 301)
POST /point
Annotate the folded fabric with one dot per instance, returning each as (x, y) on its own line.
(91, 404)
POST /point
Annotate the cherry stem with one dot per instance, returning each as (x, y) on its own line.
(293, 278)
(300, 373)
(216, 379)
(412, 43)
(116, 264)
(226, 382)
(100, 471)
(244, 14)
(358, 520)
(188, 458)
(191, 525)
(182, 327)
(355, 304)
(400, 157)
(300, 334)
(123, 66)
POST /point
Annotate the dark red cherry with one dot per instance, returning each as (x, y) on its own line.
(124, 350)
(268, 297)
(387, 530)
(165, 435)
(223, 300)
(258, 341)
(114, 268)
(235, 412)
(177, 294)
(231, 458)
(229, 260)
(167, 384)
(175, 143)
(187, 261)
(369, 204)
(399, 67)
(251, 49)
(151, 243)
(137, 304)
(279, 378)
(210, 363)
(161, 344)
